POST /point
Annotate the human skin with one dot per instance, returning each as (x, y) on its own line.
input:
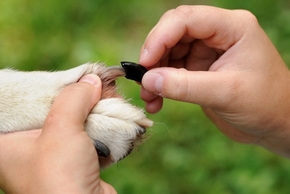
(224, 61)
(60, 157)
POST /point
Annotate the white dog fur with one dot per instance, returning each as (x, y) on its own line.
(26, 98)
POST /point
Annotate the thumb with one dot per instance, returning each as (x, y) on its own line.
(205, 88)
(71, 108)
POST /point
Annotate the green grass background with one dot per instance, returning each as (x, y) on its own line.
(185, 152)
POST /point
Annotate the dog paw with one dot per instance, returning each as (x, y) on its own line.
(115, 126)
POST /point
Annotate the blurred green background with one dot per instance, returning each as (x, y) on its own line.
(185, 152)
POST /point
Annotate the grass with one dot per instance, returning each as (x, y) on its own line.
(185, 152)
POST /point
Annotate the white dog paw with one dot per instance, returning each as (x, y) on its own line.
(116, 127)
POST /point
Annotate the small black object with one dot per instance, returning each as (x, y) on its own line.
(102, 149)
(133, 71)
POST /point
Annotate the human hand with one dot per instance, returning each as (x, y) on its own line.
(222, 60)
(60, 158)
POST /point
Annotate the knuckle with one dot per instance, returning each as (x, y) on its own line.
(184, 89)
(168, 13)
(176, 85)
(52, 120)
(247, 17)
(183, 11)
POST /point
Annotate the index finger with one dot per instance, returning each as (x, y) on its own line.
(218, 28)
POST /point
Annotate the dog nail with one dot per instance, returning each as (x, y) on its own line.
(144, 122)
(142, 130)
(102, 149)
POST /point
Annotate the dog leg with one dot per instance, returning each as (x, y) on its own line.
(26, 98)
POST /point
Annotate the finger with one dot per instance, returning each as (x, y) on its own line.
(71, 108)
(219, 28)
(209, 89)
(153, 101)
(146, 95)
(155, 105)
(195, 56)
(106, 188)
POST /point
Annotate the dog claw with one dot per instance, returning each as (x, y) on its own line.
(102, 149)
(144, 122)
(142, 130)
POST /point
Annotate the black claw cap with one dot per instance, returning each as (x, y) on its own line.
(102, 149)
(133, 71)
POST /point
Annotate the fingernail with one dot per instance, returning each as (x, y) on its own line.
(143, 55)
(91, 79)
(153, 82)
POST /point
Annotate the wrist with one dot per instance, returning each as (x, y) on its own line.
(278, 143)
(270, 127)
(276, 123)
